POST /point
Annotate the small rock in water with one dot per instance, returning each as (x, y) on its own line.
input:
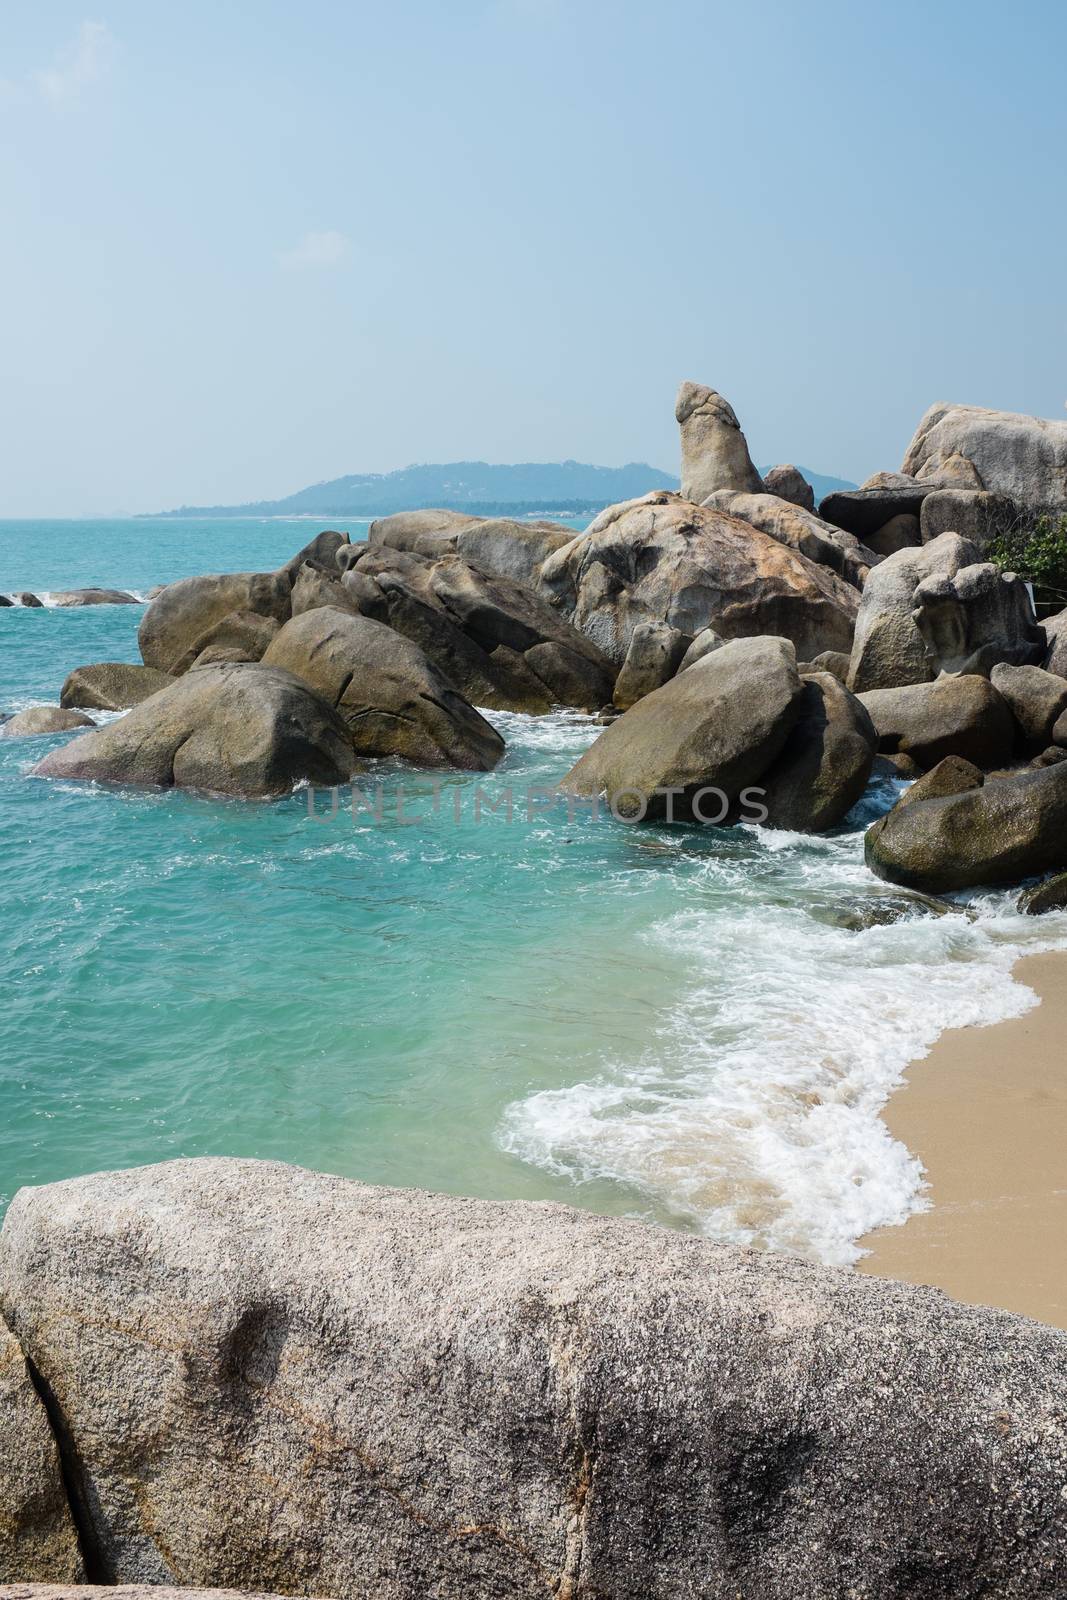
(45, 719)
(1048, 896)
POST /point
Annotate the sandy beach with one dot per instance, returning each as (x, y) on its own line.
(986, 1112)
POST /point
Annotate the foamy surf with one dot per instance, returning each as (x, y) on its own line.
(755, 1117)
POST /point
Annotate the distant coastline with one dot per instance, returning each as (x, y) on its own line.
(525, 489)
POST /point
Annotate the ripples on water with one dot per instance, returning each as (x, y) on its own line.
(694, 1026)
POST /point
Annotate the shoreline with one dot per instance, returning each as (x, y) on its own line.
(986, 1113)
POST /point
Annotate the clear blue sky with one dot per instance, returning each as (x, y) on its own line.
(247, 246)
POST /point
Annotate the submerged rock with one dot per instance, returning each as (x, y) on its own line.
(717, 726)
(714, 450)
(112, 685)
(44, 719)
(281, 1380)
(38, 1541)
(661, 559)
(392, 698)
(93, 597)
(247, 731)
(1010, 829)
(950, 717)
(1048, 896)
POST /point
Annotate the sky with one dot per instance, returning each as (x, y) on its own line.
(250, 246)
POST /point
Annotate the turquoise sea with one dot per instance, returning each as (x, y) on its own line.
(690, 1025)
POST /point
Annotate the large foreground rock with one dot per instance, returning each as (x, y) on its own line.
(714, 450)
(1011, 454)
(112, 685)
(185, 612)
(888, 650)
(502, 645)
(662, 559)
(826, 761)
(273, 1379)
(391, 696)
(1010, 829)
(717, 726)
(247, 731)
(38, 1541)
(962, 716)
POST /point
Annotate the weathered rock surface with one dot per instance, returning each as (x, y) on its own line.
(38, 1541)
(502, 645)
(93, 597)
(112, 685)
(975, 617)
(714, 450)
(889, 651)
(962, 716)
(705, 642)
(953, 775)
(835, 662)
(120, 1591)
(186, 611)
(238, 636)
(662, 559)
(29, 601)
(392, 698)
(717, 726)
(1055, 631)
(1036, 698)
(1009, 829)
(44, 719)
(802, 531)
(1048, 896)
(499, 545)
(654, 656)
(826, 761)
(864, 511)
(327, 549)
(974, 514)
(1019, 456)
(281, 1380)
(902, 532)
(235, 730)
(789, 483)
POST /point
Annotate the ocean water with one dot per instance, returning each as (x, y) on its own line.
(696, 1026)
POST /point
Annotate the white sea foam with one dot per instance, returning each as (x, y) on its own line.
(755, 1117)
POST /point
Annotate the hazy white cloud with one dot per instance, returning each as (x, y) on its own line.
(326, 249)
(82, 62)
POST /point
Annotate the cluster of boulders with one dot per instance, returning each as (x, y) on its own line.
(732, 637)
(243, 1374)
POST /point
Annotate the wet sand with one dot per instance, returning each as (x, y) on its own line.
(986, 1112)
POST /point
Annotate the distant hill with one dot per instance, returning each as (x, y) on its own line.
(459, 485)
(477, 486)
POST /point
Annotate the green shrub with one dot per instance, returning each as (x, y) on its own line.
(1037, 553)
